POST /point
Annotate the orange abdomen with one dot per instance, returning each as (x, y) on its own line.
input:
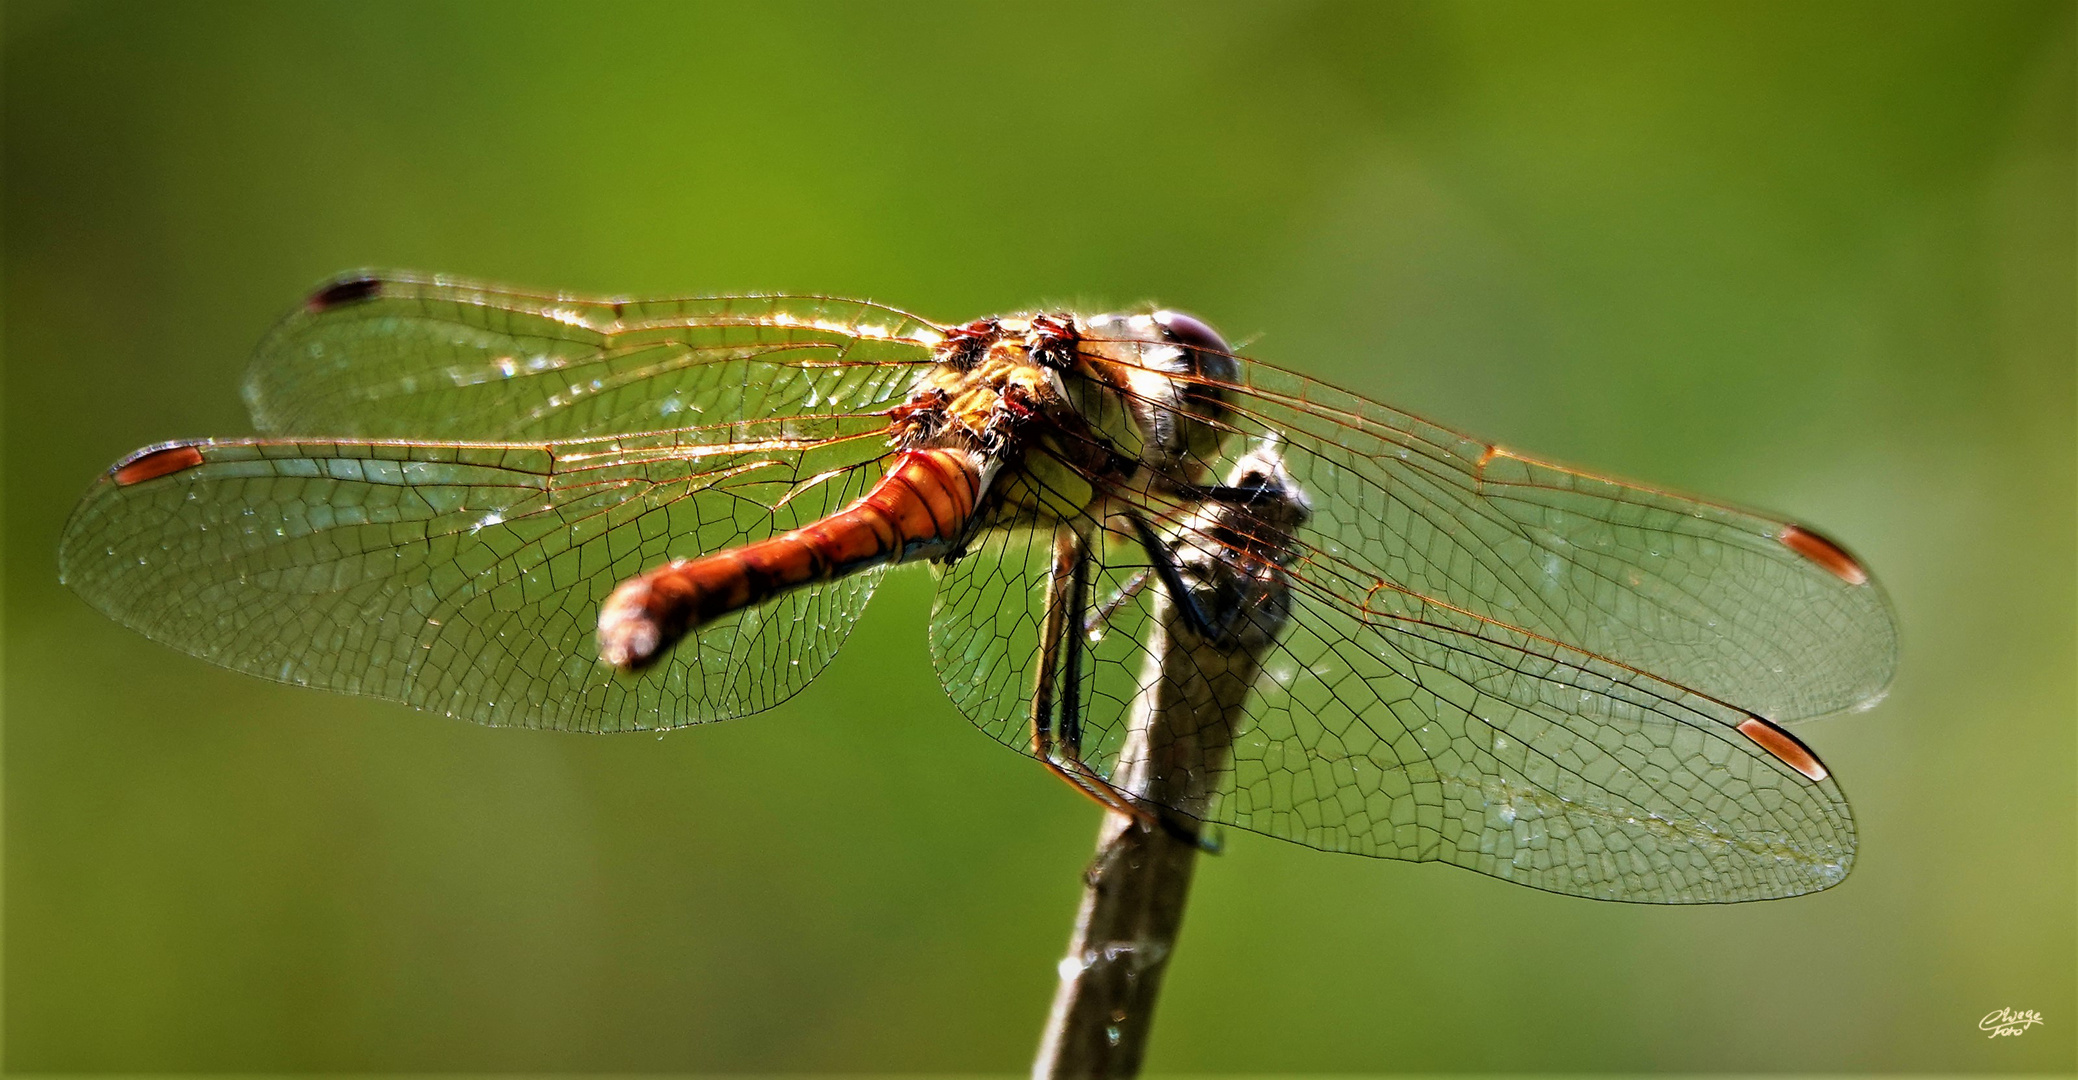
(922, 503)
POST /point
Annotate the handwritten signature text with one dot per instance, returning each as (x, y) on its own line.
(2008, 1022)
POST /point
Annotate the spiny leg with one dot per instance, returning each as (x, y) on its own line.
(1060, 654)
(1065, 544)
(1075, 641)
(1093, 626)
(1067, 602)
(1163, 566)
(1164, 562)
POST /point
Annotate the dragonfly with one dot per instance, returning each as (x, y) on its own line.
(592, 514)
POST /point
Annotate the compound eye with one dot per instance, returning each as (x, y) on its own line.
(1189, 330)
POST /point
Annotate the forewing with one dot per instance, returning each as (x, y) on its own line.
(1737, 605)
(394, 356)
(466, 579)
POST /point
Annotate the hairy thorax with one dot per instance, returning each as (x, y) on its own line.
(1066, 415)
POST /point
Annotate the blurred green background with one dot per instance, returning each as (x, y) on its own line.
(1817, 257)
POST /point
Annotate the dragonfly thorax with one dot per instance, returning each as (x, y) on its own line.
(1066, 411)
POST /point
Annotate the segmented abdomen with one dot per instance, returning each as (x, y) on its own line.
(921, 505)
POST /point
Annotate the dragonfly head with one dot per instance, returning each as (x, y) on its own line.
(1175, 369)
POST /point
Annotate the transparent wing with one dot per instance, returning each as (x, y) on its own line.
(1425, 734)
(1735, 604)
(395, 356)
(466, 579)
(1549, 676)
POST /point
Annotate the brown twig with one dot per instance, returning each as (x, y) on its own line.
(1177, 753)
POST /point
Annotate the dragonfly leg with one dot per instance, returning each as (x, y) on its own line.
(1058, 745)
(1072, 771)
(1067, 549)
(1074, 641)
(1232, 494)
(1164, 562)
(1060, 661)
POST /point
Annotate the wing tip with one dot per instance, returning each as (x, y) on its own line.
(155, 461)
(352, 289)
(1785, 748)
(1825, 552)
